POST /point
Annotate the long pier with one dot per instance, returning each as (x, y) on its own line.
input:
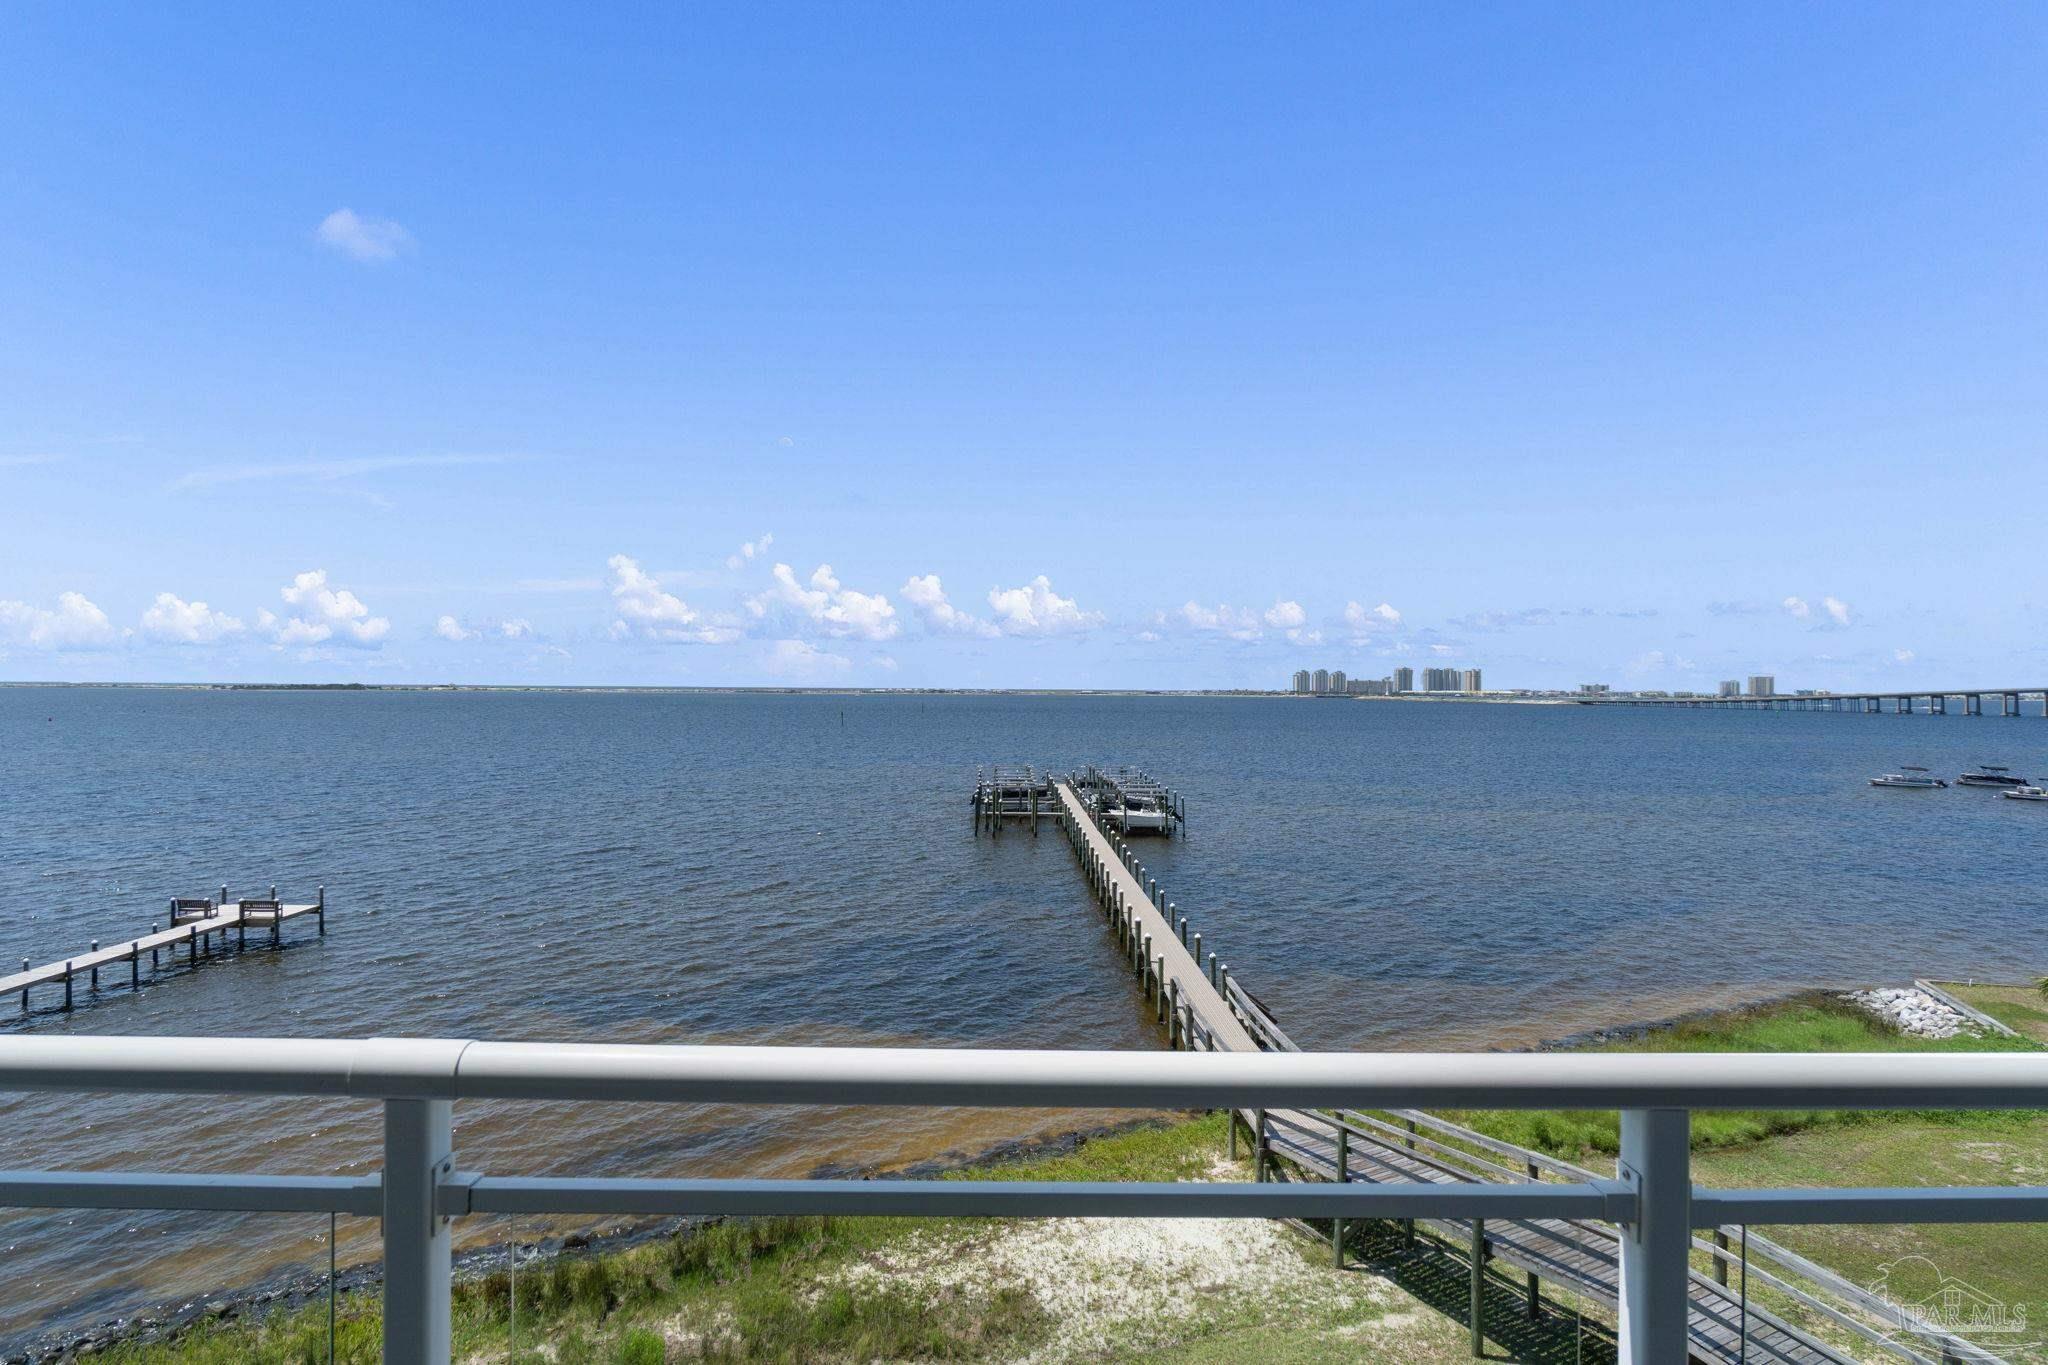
(1165, 954)
(201, 927)
(1203, 1007)
(1934, 702)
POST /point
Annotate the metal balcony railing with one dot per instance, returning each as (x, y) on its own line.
(1651, 1198)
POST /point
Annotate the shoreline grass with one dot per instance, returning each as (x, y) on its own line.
(1813, 1022)
(895, 1288)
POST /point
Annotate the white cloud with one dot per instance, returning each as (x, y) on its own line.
(75, 624)
(1443, 651)
(739, 557)
(1364, 620)
(1286, 616)
(642, 607)
(1244, 623)
(518, 628)
(929, 598)
(1248, 623)
(835, 609)
(325, 471)
(1657, 661)
(448, 628)
(1835, 610)
(321, 613)
(800, 659)
(1035, 609)
(1903, 656)
(1223, 619)
(362, 239)
(176, 621)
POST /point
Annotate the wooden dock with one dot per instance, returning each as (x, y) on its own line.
(1005, 795)
(201, 927)
(1166, 956)
(1204, 1007)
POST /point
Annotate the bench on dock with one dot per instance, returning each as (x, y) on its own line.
(261, 911)
(185, 909)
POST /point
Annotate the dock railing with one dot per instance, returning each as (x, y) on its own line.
(422, 1187)
(1734, 1252)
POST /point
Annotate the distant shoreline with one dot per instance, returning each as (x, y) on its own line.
(659, 690)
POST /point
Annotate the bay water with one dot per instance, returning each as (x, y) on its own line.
(802, 869)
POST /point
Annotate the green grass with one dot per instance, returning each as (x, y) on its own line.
(756, 1289)
(2024, 1009)
(778, 1290)
(781, 1289)
(2008, 1261)
(1812, 1023)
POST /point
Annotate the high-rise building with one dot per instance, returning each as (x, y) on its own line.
(1403, 680)
(1731, 687)
(1301, 680)
(1369, 687)
(1763, 685)
(1338, 680)
(1322, 680)
(1469, 682)
(1592, 689)
(1441, 680)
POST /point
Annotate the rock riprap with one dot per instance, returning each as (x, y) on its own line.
(1913, 1011)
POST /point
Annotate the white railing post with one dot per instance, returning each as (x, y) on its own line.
(417, 1260)
(1656, 1161)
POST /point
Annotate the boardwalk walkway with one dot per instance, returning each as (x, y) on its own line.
(1204, 1008)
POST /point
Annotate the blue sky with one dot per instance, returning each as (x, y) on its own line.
(1040, 345)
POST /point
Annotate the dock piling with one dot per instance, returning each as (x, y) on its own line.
(95, 968)
(1343, 1177)
(1533, 1290)
(1478, 1287)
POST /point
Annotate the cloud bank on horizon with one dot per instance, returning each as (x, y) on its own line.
(774, 624)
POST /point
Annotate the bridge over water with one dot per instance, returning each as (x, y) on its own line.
(1935, 702)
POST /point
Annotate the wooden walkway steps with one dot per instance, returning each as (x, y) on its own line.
(200, 926)
(1204, 1007)
(1583, 1257)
